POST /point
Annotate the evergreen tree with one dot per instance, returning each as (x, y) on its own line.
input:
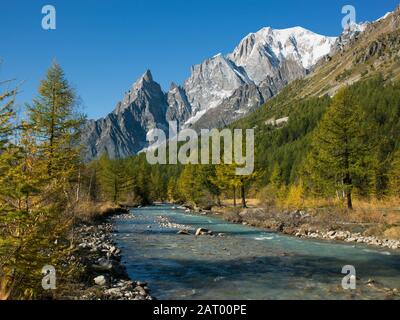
(113, 179)
(276, 177)
(394, 175)
(6, 114)
(172, 192)
(24, 179)
(56, 125)
(226, 180)
(340, 148)
(8, 151)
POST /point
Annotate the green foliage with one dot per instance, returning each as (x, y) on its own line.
(39, 173)
(286, 155)
(6, 115)
(394, 176)
(112, 179)
(55, 123)
(341, 147)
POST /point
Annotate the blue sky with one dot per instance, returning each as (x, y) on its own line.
(104, 45)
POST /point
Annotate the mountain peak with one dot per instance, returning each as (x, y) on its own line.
(173, 86)
(261, 53)
(147, 76)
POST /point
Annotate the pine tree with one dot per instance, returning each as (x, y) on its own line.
(7, 150)
(113, 180)
(24, 180)
(56, 124)
(276, 177)
(340, 148)
(172, 192)
(226, 179)
(6, 114)
(394, 176)
(190, 186)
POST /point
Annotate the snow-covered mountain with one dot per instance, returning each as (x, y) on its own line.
(219, 91)
(269, 58)
(261, 54)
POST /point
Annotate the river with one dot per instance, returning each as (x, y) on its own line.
(245, 263)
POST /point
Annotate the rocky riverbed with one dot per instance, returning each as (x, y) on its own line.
(106, 277)
(199, 256)
(303, 225)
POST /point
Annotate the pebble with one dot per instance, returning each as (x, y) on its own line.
(104, 259)
(100, 280)
(349, 237)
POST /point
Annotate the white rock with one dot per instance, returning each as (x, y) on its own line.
(100, 280)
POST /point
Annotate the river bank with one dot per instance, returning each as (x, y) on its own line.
(230, 260)
(302, 224)
(103, 276)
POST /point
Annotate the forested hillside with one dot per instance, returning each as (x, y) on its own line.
(329, 148)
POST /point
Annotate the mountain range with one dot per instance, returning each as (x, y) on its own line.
(220, 90)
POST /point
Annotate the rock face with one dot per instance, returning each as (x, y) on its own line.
(288, 52)
(212, 81)
(243, 101)
(348, 36)
(179, 108)
(123, 132)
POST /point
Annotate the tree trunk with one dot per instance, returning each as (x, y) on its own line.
(234, 197)
(243, 194)
(349, 201)
(348, 183)
(78, 188)
(52, 133)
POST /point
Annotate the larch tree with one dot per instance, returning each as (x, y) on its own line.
(394, 176)
(55, 122)
(7, 127)
(340, 149)
(226, 179)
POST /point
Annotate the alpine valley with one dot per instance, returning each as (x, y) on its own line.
(84, 210)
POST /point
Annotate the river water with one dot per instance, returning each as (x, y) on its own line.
(246, 263)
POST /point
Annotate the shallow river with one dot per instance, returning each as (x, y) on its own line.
(246, 263)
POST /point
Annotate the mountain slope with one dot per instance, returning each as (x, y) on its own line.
(268, 57)
(123, 132)
(372, 52)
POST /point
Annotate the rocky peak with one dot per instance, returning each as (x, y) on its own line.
(262, 53)
(123, 132)
(144, 81)
(179, 108)
(144, 88)
(212, 81)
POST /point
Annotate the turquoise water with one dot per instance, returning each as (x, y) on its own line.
(246, 263)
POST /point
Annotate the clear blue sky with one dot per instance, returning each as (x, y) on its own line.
(104, 45)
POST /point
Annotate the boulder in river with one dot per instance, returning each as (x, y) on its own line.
(184, 232)
(202, 232)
